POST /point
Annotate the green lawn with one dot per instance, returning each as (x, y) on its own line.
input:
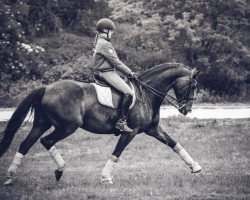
(146, 170)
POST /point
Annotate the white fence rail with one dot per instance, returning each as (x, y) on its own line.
(199, 111)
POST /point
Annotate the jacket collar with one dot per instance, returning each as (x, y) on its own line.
(104, 37)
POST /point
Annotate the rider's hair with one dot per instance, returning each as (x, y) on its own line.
(96, 38)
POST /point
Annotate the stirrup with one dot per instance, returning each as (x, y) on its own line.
(123, 127)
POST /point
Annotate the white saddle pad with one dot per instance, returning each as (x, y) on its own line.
(104, 95)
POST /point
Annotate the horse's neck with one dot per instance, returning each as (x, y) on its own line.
(162, 80)
(161, 76)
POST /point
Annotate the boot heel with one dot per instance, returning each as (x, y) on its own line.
(123, 127)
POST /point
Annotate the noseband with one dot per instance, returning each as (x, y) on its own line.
(178, 103)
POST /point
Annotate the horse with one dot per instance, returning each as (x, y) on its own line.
(68, 105)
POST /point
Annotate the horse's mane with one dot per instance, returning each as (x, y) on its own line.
(161, 68)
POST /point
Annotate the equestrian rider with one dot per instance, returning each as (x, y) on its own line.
(107, 62)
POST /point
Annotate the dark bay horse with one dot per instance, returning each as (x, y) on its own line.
(67, 105)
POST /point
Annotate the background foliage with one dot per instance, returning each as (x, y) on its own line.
(42, 41)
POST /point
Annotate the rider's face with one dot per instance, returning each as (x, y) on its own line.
(110, 33)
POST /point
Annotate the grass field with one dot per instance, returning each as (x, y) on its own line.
(146, 170)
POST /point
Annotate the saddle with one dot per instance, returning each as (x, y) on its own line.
(100, 81)
(109, 96)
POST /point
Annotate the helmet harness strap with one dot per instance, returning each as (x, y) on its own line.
(107, 33)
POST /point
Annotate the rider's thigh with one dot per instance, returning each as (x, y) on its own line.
(116, 81)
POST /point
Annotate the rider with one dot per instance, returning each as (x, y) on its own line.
(107, 62)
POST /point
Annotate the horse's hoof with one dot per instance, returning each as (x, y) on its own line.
(107, 181)
(9, 182)
(58, 174)
(196, 168)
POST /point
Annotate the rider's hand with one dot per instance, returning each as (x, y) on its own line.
(132, 75)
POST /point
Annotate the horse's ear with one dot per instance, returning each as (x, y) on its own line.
(195, 72)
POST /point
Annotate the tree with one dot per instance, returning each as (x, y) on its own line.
(213, 35)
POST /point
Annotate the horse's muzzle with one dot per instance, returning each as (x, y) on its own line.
(186, 109)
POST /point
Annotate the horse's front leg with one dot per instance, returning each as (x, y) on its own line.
(158, 133)
(123, 141)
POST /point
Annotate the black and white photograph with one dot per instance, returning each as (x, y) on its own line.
(124, 100)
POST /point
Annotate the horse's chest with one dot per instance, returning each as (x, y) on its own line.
(142, 116)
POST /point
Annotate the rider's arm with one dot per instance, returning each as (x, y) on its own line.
(110, 54)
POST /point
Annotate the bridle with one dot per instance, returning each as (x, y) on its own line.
(178, 103)
(185, 98)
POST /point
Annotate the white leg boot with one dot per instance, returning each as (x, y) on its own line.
(13, 168)
(56, 156)
(60, 163)
(106, 172)
(195, 167)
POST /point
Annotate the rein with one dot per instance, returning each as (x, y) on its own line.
(178, 103)
(160, 94)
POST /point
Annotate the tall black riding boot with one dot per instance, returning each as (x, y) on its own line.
(122, 121)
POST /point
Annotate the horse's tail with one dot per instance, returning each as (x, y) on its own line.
(30, 102)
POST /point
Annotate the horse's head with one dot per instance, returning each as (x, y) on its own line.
(184, 88)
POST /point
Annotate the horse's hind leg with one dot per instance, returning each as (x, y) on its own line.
(158, 133)
(40, 126)
(49, 142)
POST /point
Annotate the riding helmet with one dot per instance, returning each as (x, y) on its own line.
(105, 23)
